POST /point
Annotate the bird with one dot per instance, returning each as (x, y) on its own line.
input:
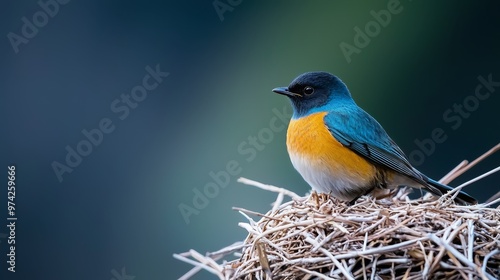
(340, 149)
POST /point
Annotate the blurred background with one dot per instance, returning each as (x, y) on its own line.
(140, 194)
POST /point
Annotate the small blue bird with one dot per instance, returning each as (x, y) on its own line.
(340, 149)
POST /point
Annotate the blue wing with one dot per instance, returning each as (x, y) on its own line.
(357, 130)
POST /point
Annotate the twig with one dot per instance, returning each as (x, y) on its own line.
(199, 264)
(493, 197)
(457, 189)
(314, 273)
(346, 273)
(485, 263)
(474, 162)
(268, 187)
(454, 251)
(448, 177)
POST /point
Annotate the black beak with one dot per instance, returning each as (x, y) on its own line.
(284, 91)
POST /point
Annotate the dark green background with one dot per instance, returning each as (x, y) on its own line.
(119, 207)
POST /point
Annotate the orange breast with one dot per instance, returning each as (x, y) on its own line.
(309, 139)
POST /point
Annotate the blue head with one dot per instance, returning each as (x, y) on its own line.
(315, 92)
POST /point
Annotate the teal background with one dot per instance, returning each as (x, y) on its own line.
(120, 206)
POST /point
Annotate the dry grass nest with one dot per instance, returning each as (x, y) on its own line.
(319, 237)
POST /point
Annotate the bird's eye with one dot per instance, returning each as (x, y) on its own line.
(308, 90)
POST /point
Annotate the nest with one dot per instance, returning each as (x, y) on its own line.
(319, 237)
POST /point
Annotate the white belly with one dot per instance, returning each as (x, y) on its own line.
(323, 180)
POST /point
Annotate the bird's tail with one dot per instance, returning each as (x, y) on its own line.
(461, 198)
